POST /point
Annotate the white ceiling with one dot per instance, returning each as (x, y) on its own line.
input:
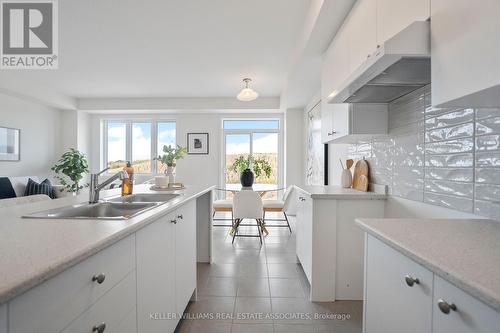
(170, 48)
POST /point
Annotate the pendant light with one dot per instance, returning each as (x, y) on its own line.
(247, 94)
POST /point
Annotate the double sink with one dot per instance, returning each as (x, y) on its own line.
(116, 208)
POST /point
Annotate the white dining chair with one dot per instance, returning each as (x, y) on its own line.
(221, 205)
(247, 205)
(278, 206)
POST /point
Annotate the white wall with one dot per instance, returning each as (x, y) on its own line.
(40, 136)
(192, 169)
(294, 147)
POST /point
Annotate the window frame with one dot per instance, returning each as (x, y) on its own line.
(128, 139)
(281, 148)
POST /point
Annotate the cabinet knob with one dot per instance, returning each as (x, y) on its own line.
(180, 217)
(378, 46)
(99, 328)
(411, 281)
(302, 199)
(332, 133)
(446, 307)
(173, 221)
(99, 278)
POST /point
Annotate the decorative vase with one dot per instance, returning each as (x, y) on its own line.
(346, 180)
(247, 178)
(170, 173)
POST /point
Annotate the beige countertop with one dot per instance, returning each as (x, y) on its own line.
(466, 252)
(34, 250)
(339, 193)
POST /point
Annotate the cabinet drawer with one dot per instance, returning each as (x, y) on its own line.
(111, 310)
(129, 324)
(58, 301)
(471, 315)
(392, 305)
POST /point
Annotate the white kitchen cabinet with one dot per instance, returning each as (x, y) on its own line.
(129, 323)
(335, 67)
(185, 255)
(326, 121)
(395, 15)
(109, 311)
(155, 246)
(471, 315)
(75, 289)
(465, 52)
(362, 32)
(392, 304)
(352, 122)
(304, 232)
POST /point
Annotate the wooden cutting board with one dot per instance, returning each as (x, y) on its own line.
(360, 178)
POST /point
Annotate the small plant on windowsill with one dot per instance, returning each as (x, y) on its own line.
(70, 170)
(247, 166)
(169, 158)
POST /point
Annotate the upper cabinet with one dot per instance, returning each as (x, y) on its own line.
(362, 32)
(395, 15)
(465, 53)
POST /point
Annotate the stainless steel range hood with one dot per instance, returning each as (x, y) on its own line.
(399, 66)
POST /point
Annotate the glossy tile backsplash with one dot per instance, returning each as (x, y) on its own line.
(446, 157)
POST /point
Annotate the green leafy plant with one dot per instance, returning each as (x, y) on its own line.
(70, 170)
(259, 166)
(172, 155)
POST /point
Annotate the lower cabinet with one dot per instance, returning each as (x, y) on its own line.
(455, 311)
(3, 318)
(398, 292)
(166, 269)
(403, 296)
(304, 232)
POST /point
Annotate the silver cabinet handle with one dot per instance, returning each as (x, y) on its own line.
(180, 217)
(411, 281)
(99, 278)
(446, 307)
(302, 199)
(99, 328)
(332, 133)
(173, 221)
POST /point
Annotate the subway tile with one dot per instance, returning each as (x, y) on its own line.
(488, 126)
(488, 159)
(487, 112)
(488, 192)
(451, 160)
(487, 208)
(450, 119)
(447, 133)
(431, 111)
(488, 175)
(451, 174)
(447, 187)
(448, 147)
(488, 142)
(457, 203)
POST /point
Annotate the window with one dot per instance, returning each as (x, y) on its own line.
(136, 141)
(259, 138)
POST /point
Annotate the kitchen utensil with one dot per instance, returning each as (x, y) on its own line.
(349, 163)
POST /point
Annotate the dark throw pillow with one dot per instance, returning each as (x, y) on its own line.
(6, 189)
(45, 187)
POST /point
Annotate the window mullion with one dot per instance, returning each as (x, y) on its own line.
(128, 140)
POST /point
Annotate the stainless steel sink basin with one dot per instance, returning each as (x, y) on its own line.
(102, 210)
(145, 197)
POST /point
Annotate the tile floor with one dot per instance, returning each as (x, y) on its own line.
(253, 288)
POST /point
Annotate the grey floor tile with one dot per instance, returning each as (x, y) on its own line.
(206, 326)
(223, 270)
(293, 311)
(293, 328)
(286, 288)
(252, 270)
(219, 286)
(253, 287)
(281, 258)
(252, 328)
(283, 270)
(252, 310)
(212, 308)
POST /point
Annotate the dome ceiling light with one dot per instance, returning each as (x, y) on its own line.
(247, 94)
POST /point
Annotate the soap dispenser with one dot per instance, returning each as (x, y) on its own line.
(128, 184)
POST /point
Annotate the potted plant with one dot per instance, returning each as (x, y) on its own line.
(247, 166)
(70, 170)
(169, 158)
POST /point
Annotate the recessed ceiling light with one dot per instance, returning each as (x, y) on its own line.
(247, 94)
